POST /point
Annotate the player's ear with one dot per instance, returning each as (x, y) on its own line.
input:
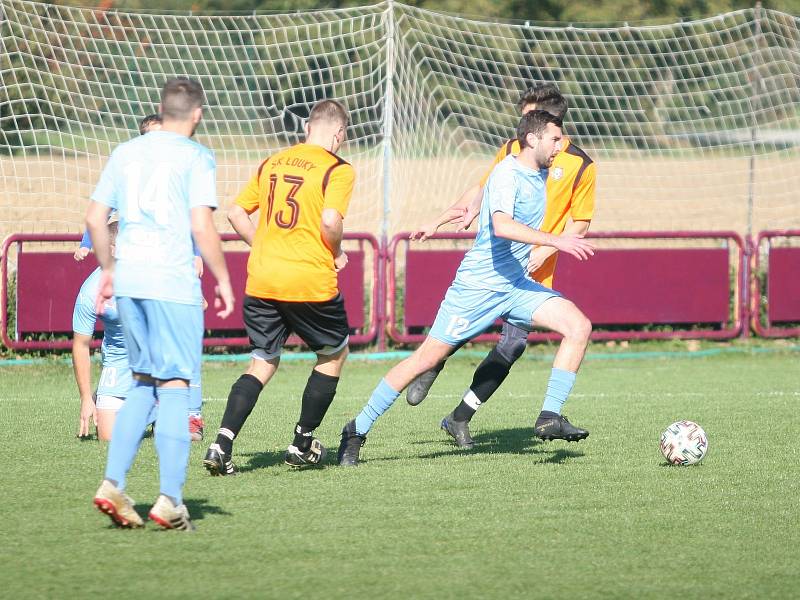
(197, 115)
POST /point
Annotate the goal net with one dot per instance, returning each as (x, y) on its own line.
(693, 125)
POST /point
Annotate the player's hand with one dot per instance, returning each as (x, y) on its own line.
(198, 266)
(537, 258)
(105, 291)
(88, 417)
(424, 232)
(223, 299)
(81, 253)
(340, 262)
(574, 244)
(470, 213)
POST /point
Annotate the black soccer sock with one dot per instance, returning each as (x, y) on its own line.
(317, 397)
(489, 375)
(241, 400)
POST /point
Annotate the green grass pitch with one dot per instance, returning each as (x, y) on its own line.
(515, 517)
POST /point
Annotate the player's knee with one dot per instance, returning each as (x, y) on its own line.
(511, 348)
(580, 328)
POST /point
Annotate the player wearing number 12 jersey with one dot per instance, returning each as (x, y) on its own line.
(302, 195)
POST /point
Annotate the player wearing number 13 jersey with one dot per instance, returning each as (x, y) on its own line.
(302, 195)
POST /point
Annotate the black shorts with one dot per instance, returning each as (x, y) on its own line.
(321, 325)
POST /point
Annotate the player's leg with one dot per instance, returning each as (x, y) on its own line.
(419, 388)
(131, 419)
(324, 327)
(464, 313)
(426, 356)
(107, 408)
(196, 423)
(267, 334)
(562, 316)
(492, 372)
(176, 341)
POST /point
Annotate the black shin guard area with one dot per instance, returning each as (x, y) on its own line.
(241, 400)
(317, 397)
(489, 375)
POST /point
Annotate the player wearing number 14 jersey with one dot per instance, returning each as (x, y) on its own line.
(302, 195)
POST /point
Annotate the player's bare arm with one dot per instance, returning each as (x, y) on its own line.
(81, 366)
(332, 230)
(541, 253)
(457, 213)
(97, 224)
(241, 223)
(574, 244)
(208, 242)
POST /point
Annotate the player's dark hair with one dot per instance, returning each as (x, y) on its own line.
(331, 111)
(535, 122)
(179, 97)
(147, 122)
(546, 97)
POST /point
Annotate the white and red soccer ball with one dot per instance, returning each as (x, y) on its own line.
(684, 443)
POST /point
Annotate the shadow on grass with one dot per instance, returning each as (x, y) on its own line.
(259, 460)
(198, 509)
(519, 440)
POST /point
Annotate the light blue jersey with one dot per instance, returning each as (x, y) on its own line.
(492, 282)
(495, 263)
(154, 181)
(115, 379)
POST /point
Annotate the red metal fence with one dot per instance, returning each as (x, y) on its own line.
(697, 290)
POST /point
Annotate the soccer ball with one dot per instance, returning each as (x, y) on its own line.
(684, 443)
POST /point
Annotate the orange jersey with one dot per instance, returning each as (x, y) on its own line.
(570, 193)
(289, 260)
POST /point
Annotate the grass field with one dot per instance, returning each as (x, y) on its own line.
(606, 518)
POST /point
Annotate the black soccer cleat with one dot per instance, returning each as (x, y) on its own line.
(350, 445)
(558, 427)
(312, 457)
(217, 462)
(459, 431)
(418, 389)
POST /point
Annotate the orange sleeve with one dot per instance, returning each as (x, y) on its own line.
(248, 198)
(582, 208)
(339, 188)
(501, 154)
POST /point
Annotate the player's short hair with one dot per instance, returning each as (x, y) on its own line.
(179, 97)
(546, 97)
(147, 122)
(329, 111)
(535, 122)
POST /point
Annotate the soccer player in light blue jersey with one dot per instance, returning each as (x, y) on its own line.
(492, 282)
(108, 402)
(163, 186)
(115, 378)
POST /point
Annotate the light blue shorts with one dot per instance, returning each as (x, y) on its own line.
(467, 312)
(164, 339)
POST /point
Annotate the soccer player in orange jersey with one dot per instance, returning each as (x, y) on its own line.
(302, 195)
(570, 190)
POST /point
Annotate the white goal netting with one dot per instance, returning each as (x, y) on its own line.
(694, 125)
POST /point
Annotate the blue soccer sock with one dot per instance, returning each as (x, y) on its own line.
(195, 398)
(380, 401)
(558, 389)
(128, 430)
(172, 440)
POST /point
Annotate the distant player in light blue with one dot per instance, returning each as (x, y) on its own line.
(493, 283)
(163, 186)
(101, 406)
(83, 326)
